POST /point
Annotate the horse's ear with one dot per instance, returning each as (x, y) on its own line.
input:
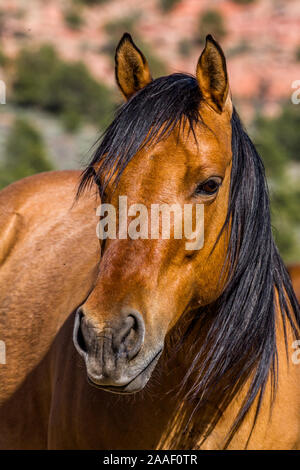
(212, 75)
(132, 70)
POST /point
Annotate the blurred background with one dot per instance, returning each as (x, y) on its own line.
(57, 61)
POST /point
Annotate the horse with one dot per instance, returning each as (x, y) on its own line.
(294, 272)
(140, 343)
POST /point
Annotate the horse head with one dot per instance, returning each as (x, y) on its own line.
(170, 146)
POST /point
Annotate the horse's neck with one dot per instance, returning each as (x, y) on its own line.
(188, 423)
(185, 428)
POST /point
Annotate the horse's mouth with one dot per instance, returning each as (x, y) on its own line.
(136, 384)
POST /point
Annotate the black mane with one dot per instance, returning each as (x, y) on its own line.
(150, 115)
(240, 339)
(240, 328)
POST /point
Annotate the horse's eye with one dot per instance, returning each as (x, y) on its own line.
(209, 186)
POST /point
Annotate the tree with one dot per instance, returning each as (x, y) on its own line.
(73, 19)
(45, 81)
(211, 22)
(278, 141)
(167, 5)
(243, 2)
(25, 153)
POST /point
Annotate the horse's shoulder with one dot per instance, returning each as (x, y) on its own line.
(40, 202)
(15, 196)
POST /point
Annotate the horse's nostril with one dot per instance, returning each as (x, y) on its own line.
(78, 337)
(128, 339)
(124, 339)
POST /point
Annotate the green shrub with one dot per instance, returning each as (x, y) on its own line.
(157, 66)
(243, 2)
(92, 2)
(297, 54)
(242, 47)
(118, 26)
(71, 120)
(73, 19)
(2, 21)
(3, 59)
(285, 203)
(25, 153)
(167, 5)
(278, 141)
(210, 22)
(44, 81)
(185, 47)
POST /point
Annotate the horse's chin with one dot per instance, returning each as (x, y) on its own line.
(135, 385)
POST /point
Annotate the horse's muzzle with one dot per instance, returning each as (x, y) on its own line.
(111, 353)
